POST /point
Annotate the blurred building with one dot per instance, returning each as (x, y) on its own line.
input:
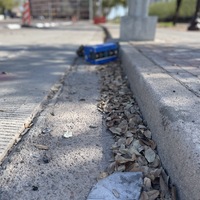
(153, 1)
(60, 9)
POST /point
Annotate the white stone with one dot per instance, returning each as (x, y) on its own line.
(118, 186)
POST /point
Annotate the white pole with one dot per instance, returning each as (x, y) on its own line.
(91, 7)
(138, 8)
(78, 9)
(50, 11)
(100, 8)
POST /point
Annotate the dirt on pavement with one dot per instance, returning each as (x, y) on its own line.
(67, 148)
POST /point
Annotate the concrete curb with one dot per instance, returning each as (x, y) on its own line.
(172, 113)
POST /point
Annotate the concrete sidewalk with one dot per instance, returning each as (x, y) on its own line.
(67, 148)
(33, 63)
(165, 78)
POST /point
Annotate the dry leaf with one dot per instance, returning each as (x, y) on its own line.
(133, 157)
(116, 193)
(123, 123)
(128, 106)
(93, 126)
(149, 143)
(133, 167)
(114, 146)
(115, 151)
(110, 124)
(141, 148)
(141, 127)
(132, 123)
(152, 144)
(100, 110)
(145, 170)
(121, 168)
(120, 159)
(134, 148)
(147, 134)
(165, 177)
(129, 134)
(144, 196)
(28, 125)
(128, 114)
(132, 151)
(163, 187)
(121, 141)
(155, 163)
(123, 126)
(153, 194)
(41, 147)
(108, 119)
(122, 149)
(116, 131)
(156, 172)
(111, 167)
(147, 184)
(142, 161)
(136, 144)
(173, 191)
(102, 175)
(150, 155)
(129, 141)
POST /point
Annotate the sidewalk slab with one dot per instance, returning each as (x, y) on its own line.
(171, 109)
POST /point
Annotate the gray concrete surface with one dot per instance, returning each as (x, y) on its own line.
(32, 63)
(164, 76)
(138, 29)
(70, 166)
(138, 26)
(138, 8)
(46, 163)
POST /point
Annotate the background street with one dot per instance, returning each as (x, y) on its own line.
(32, 63)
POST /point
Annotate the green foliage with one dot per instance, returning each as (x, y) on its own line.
(112, 3)
(166, 10)
(165, 24)
(6, 5)
(188, 8)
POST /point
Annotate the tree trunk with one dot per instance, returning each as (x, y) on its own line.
(178, 5)
(195, 24)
